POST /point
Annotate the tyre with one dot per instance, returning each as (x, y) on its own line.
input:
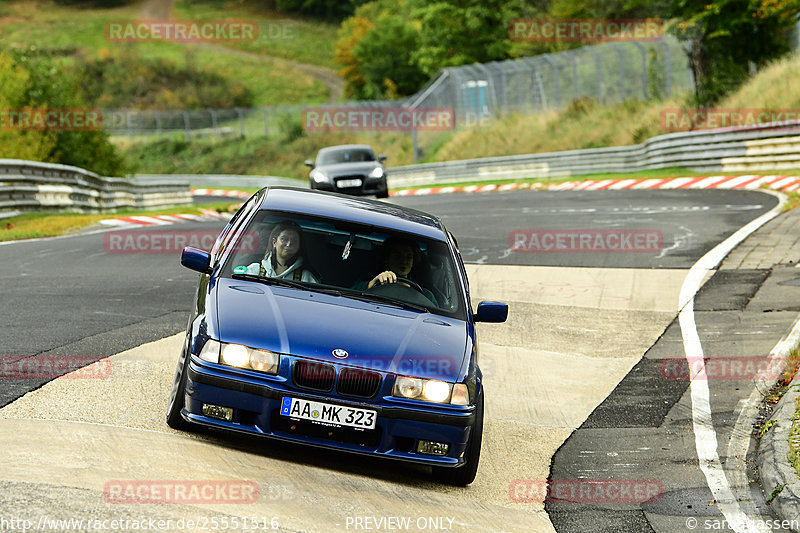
(177, 398)
(465, 474)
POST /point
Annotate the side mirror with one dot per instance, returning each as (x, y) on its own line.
(382, 158)
(197, 260)
(491, 312)
(309, 163)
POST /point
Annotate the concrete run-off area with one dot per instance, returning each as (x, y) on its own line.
(563, 350)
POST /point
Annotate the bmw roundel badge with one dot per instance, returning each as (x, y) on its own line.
(338, 353)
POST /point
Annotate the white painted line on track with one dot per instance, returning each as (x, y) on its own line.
(705, 435)
(740, 438)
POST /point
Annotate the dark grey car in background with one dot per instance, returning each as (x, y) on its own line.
(349, 169)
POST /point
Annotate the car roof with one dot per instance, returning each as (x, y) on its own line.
(346, 147)
(350, 208)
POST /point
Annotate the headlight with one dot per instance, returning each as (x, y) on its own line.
(430, 390)
(235, 355)
(265, 361)
(210, 351)
(318, 176)
(407, 387)
(240, 356)
(377, 172)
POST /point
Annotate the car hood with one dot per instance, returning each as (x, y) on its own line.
(314, 325)
(343, 169)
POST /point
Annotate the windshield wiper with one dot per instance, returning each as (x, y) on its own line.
(282, 282)
(370, 297)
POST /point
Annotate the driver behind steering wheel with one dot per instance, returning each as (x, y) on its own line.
(398, 257)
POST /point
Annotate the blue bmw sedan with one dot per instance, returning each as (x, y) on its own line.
(336, 322)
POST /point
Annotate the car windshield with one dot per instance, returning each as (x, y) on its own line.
(345, 155)
(346, 258)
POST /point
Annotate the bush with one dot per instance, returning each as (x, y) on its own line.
(122, 80)
(37, 82)
(290, 127)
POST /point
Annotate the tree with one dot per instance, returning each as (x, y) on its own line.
(716, 31)
(322, 9)
(350, 33)
(385, 55)
(16, 143)
(458, 32)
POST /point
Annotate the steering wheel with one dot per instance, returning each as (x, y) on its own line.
(401, 282)
(413, 284)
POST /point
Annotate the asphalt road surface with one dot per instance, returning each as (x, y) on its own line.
(580, 322)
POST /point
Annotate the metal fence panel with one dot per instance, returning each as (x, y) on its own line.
(609, 73)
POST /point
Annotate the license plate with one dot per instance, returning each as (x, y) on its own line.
(348, 183)
(326, 413)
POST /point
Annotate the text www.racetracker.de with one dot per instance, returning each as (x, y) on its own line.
(203, 523)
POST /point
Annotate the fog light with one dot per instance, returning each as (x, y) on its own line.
(218, 412)
(429, 447)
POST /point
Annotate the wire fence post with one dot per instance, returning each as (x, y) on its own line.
(214, 123)
(569, 55)
(240, 113)
(158, 123)
(187, 126)
(645, 77)
(598, 79)
(556, 77)
(621, 70)
(667, 68)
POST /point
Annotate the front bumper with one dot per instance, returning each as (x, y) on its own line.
(256, 402)
(369, 186)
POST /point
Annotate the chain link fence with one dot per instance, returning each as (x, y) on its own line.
(609, 73)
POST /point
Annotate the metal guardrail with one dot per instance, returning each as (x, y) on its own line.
(221, 180)
(30, 185)
(772, 146)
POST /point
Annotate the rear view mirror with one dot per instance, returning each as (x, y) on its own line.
(491, 312)
(197, 260)
(309, 163)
